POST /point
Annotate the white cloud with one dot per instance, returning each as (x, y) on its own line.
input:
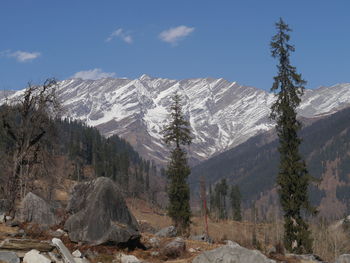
(94, 74)
(175, 34)
(21, 56)
(120, 33)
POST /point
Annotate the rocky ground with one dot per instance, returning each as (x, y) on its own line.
(98, 225)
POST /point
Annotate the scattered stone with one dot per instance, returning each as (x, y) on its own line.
(232, 252)
(122, 258)
(153, 243)
(154, 253)
(203, 237)
(34, 256)
(36, 210)
(100, 215)
(66, 255)
(77, 254)
(169, 231)
(345, 258)
(57, 233)
(9, 257)
(174, 248)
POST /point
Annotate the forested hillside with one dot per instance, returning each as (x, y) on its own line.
(253, 165)
(72, 150)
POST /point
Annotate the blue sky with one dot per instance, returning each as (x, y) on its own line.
(171, 39)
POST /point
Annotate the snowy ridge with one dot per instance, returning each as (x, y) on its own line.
(222, 114)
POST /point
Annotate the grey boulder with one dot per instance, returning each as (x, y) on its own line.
(174, 248)
(9, 257)
(36, 210)
(169, 231)
(345, 258)
(232, 253)
(100, 215)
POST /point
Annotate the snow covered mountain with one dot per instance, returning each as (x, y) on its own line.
(222, 114)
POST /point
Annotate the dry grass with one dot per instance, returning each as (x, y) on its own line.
(240, 232)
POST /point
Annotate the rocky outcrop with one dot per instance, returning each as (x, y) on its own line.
(100, 215)
(232, 252)
(36, 210)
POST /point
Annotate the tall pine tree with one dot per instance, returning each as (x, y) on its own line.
(178, 134)
(235, 197)
(293, 178)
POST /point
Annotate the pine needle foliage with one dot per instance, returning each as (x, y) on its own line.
(176, 135)
(293, 178)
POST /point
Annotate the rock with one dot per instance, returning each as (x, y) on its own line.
(204, 238)
(345, 258)
(4, 206)
(154, 253)
(77, 254)
(232, 252)
(191, 250)
(66, 255)
(8, 218)
(2, 218)
(169, 231)
(153, 243)
(34, 256)
(57, 233)
(174, 248)
(9, 257)
(36, 210)
(122, 258)
(100, 215)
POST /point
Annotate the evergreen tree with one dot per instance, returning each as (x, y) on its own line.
(176, 134)
(235, 197)
(293, 178)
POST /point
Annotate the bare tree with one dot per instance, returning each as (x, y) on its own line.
(27, 121)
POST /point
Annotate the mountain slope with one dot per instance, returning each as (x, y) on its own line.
(253, 165)
(222, 114)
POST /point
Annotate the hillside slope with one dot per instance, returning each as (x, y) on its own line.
(253, 165)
